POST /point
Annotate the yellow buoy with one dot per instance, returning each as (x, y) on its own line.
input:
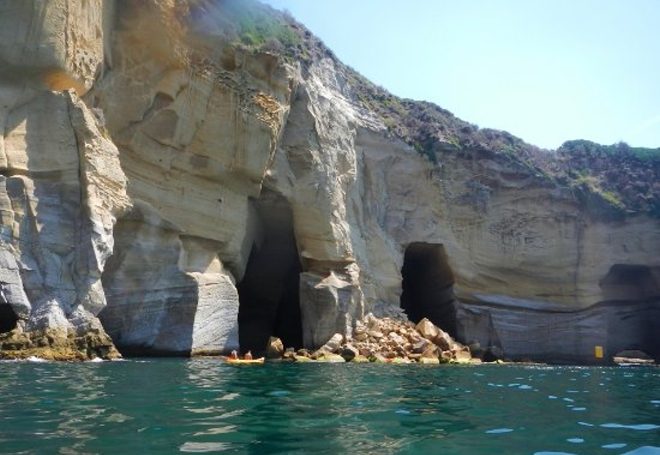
(598, 352)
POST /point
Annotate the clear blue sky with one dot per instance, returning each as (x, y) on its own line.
(546, 71)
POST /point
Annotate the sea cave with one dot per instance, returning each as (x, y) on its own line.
(428, 286)
(269, 291)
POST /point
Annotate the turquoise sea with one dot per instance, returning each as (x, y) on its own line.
(202, 405)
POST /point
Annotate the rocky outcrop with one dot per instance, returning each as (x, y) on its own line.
(218, 185)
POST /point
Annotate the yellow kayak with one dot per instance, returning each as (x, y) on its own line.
(245, 361)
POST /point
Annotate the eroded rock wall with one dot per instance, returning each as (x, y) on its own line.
(63, 190)
(137, 203)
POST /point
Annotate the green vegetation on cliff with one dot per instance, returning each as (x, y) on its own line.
(628, 178)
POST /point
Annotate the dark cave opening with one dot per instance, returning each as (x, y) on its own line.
(269, 303)
(8, 318)
(633, 286)
(631, 282)
(428, 286)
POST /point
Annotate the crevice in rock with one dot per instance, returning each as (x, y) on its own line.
(269, 291)
(8, 318)
(428, 286)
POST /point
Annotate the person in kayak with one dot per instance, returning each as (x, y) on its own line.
(233, 355)
(248, 355)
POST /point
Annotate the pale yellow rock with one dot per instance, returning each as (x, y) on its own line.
(462, 356)
(302, 358)
(330, 358)
(427, 329)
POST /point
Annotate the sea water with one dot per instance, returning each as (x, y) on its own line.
(203, 405)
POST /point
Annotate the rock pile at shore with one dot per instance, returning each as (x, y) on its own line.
(383, 340)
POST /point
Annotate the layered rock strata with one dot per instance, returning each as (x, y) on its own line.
(154, 209)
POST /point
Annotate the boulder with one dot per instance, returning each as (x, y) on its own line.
(289, 354)
(375, 334)
(462, 356)
(443, 340)
(365, 351)
(421, 346)
(333, 344)
(446, 357)
(427, 329)
(275, 348)
(429, 361)
(396, 338)
(431, 352)
(349, 352)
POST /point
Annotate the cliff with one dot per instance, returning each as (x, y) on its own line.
(182, 177)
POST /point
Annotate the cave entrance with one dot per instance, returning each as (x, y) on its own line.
(8, 318)
(631, 282)
(269, 302)
(428, 286)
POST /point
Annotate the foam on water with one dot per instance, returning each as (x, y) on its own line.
(637, 427)
(499, 430)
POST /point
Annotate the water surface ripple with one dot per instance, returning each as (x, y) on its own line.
(201, 405)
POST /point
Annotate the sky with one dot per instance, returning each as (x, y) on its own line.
(546, 71)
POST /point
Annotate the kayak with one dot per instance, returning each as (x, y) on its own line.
(245, 361)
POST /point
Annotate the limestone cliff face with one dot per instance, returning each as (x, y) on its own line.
(204, 193)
